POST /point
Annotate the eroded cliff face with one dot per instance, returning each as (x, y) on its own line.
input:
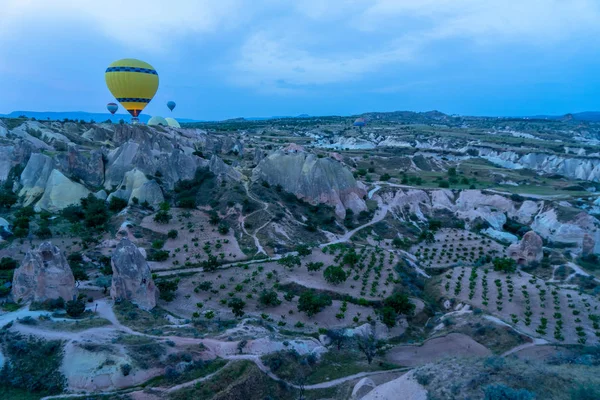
(574, 167)
(44, 274)
(313, 179)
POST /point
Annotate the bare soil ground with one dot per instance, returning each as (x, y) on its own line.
(525, 302)
(453, 247)
(451, 345)
(194, 232)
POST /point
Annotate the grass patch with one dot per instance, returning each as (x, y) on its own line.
(195, 370)
(137, 319)
(33, 367)
(77, 325)
(243, 380)
(145, 352)
(292, 367)
(469, 378)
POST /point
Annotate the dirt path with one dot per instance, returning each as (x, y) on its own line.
(243, 221)
(379, 215)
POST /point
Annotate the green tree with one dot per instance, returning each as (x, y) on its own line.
(75, 308)
(400, 303)
(351, 258)
(314, 266)
(269, 298)
(162, 217)
(95, 212)
(223, 228)
(8, 263)
(504, 264)
(335, 274)
(237, 306)
(289, 261)
(116, 204)
(303, 250)
(312, 302)
(388, 316)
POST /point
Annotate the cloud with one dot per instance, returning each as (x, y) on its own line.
(275, 62)
(149, 24)
(400, 32)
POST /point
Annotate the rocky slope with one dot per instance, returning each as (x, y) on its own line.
(316, 180)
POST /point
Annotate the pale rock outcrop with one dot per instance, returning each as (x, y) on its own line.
(22, 132)
(119, 161)
(218, 167)
(6, 164)
(3, 129)
(588, 244)
(135, 184)
(60, 192)
(293, 148)
(472, 204)
(527, 211)
(97, 134)
(500, 235)
(43, 274)
(259, 154)
(4, 225)
(548, 226)
(407, 202)
(132, 279)
(35, 176)
(571, 167)
(85, 166)
(528, 250)
(101, 194)
(313, 179)
(362, 387)
(442, 199)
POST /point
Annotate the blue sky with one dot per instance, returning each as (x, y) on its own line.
(231, 58)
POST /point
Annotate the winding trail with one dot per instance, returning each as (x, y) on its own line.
(243, 221)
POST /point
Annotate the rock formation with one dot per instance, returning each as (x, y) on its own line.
(587, 245)
(132, 279)
(34, 177)
(313, 179)
(44, 274)
(135, 184)
(528, 250)
(5, 161)
(81, 165)
(60, 192)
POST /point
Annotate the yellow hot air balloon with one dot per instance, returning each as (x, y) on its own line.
(133, 83)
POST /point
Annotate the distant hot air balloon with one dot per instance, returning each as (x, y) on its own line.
(360, 122)
(172, 122)
(133, 83)
(112, 108)
(171, 104)
(157, 120)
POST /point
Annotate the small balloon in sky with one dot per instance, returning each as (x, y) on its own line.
(171, 104)
(112, 108)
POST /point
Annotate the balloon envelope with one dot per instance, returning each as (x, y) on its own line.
(360, 122)
(112, 108)
(158, 120)
(172, 122)
(133, 83)
(171, 104)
